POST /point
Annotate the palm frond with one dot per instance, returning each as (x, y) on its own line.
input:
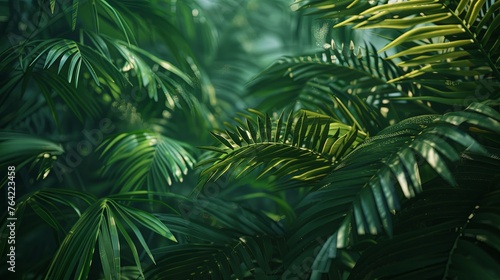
(348, 84)
(20, 149)
(106, 15)
(119, 20)
(157, 25)
(103, 223)
(460, 238)
(70, 55)
(219, 240)
(339, 9)
(452, 38)
(56, 207)
(383, 163)
(55, 65)
(301, 149)
(143, 159)
(67, 57)
(369, 183)
(145, 66)
(80, 102)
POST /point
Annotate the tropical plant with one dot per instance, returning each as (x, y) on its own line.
(376, 156)
(93, 90)
(403, 202)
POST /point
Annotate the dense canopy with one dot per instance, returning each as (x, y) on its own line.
(230, 139)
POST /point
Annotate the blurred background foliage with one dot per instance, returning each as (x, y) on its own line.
(251, 139)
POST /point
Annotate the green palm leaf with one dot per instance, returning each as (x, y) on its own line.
(339, 9)
(237, 242)
(457, 34)
(138, 64)
(54, 65)
(71, 55)
(452, 38)
(350, 85)
(369, 183)
(50, 205)
(80, 102)
(119, 20)
(300, 150)
(103, 222)
(143, 159)
(20, 149)
(109, 14)
(461, 239)
(49, 61)
(24, 147)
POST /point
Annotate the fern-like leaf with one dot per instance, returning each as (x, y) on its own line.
(461, 239)
(453, 38)
(302, 149)
(102, 223)
(384, 169)
(347, 84)
(145, 160)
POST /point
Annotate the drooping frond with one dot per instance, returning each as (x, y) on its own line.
(345, 83)
(366, 188)
(155, 25)
(51, 206)
(218, 239)
(19, 149)
(22, 147)
(455, 39)
(112, 17)
(339, 9)
(145, 160)
(71, 55)
(60, 64)
(458, 36)
(299, 149)
(102, 225)
(441, 237)
(107, 56)
(57, 65)
(145, 67)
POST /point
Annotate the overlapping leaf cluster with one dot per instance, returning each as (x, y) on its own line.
(367, 159)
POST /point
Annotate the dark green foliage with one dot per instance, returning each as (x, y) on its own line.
(298, 151)
(373, 155)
